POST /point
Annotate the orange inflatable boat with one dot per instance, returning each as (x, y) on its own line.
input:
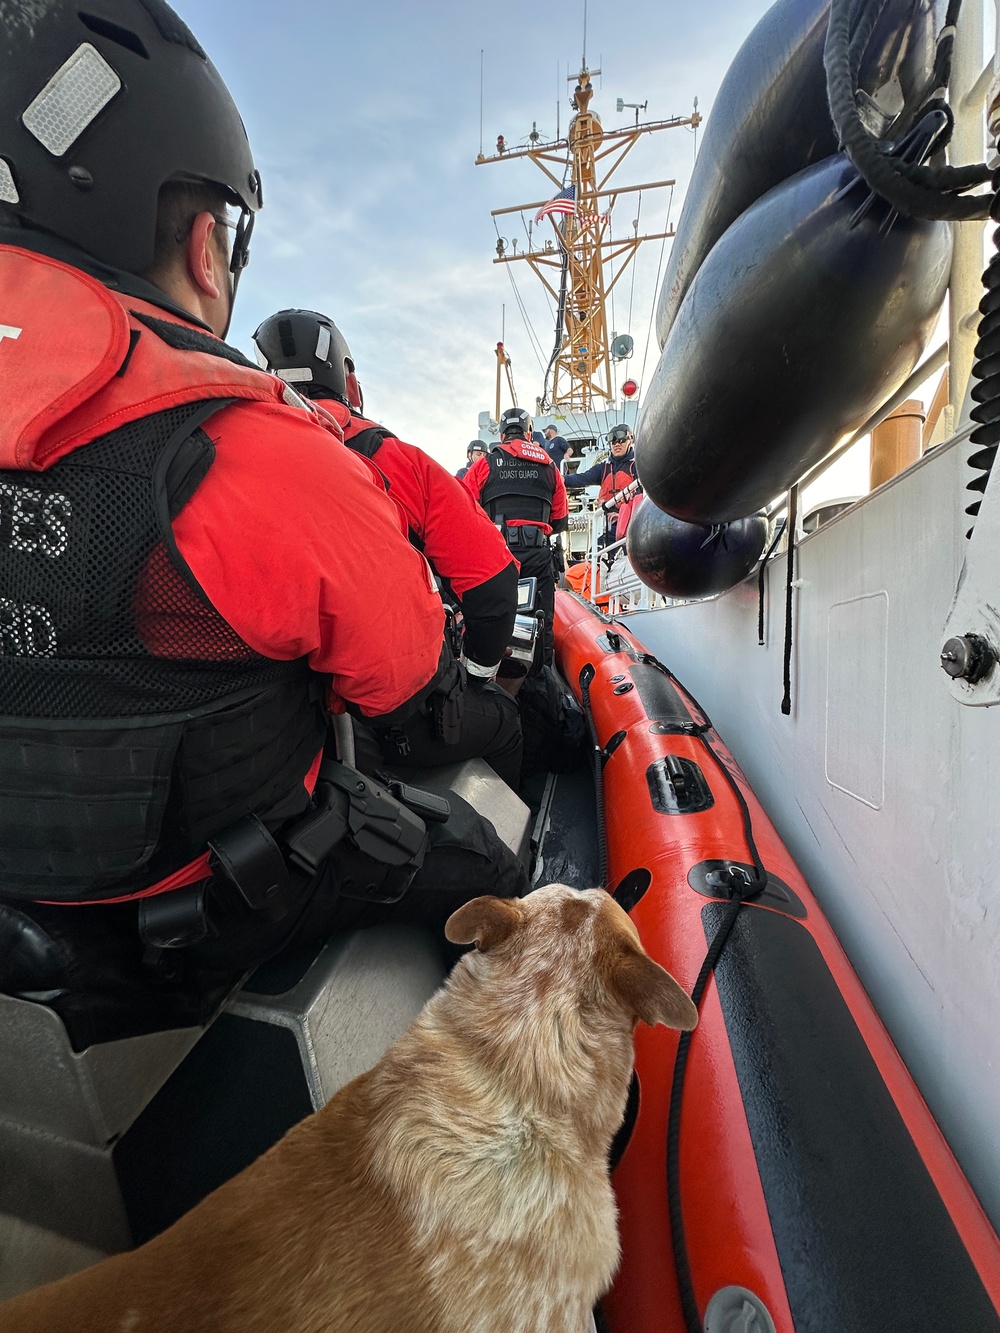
(778, 1172)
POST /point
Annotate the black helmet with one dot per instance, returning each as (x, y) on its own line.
(515, 421)
(618, 433)
(308, 350)
(101, 103)
(475, 445)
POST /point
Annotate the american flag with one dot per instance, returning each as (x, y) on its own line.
(565, 202)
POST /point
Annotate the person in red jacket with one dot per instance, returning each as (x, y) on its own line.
(308, 351)
(179, 614)
(523, 492)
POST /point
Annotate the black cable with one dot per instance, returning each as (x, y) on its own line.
(560, 323)
(742, 890)
(911, 188)
(946, 46)
(760, 583)
(689, 1301)
(867, 20)
(786, 668)
(587, 675)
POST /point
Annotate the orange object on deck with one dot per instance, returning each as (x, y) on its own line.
(814, 1184)
(897, 442)
(578, 578)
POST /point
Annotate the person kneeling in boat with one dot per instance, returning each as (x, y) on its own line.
(180, 609)
(616, 476)
(523, 492)
(469, 715)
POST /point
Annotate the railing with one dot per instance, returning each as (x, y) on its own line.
(611, 576)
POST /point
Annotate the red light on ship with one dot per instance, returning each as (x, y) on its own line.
(629, 389)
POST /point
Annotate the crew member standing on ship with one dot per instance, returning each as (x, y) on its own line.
(615, 475)
(556, 446)
(523, 492)
(470, 715)
(181, 608)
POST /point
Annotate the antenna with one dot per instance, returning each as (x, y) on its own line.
(580, 262)
(637, 107)
(584, 65)
(481, 71)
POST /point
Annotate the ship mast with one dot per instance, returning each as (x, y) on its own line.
(573, 262)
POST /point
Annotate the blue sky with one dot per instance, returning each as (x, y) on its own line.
(365, 124)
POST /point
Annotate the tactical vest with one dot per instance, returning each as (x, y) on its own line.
(518, 488)
(364, 437)
(136, 722)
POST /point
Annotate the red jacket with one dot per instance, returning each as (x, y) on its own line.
(460, 542)
(78, 361)
(478, 474)
(257, 532)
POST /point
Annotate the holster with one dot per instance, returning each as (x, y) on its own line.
(445, 705)
(380, 842)
(249, 872)
(379, 836)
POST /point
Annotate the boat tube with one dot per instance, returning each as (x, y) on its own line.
(770, 119)
(813, 1192)
(807, 315)
(682, 559)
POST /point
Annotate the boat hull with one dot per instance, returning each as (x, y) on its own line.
(811, 1173)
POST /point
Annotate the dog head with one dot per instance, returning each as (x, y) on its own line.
(582, 942)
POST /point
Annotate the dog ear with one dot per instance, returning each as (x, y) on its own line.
(484, 922)
(652, 993)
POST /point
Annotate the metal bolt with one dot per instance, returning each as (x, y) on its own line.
(968, 657)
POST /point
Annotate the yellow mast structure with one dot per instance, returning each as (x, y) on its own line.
(571, 264)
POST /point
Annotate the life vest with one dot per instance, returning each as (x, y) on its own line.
(137, 723)
(618, 473)
(119, 358)
(578, 580)
(521, 483)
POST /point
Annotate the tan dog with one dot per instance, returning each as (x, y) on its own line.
(460, 1186)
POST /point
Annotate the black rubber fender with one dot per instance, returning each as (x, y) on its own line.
(682, 559)
(800, 323)
(770, 119)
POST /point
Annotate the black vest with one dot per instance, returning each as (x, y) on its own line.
(518, 488)
(135, 723)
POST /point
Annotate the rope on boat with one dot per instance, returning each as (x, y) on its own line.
(786, 665)
(779, 528)
(741, 890)
(911, 188)
(986, 369)
(586, 678)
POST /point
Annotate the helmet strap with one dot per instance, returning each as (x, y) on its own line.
(239, 259)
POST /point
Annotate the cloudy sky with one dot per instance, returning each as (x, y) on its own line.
(365, 123)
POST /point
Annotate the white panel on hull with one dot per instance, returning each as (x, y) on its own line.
(911, 887)
(855, 703)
